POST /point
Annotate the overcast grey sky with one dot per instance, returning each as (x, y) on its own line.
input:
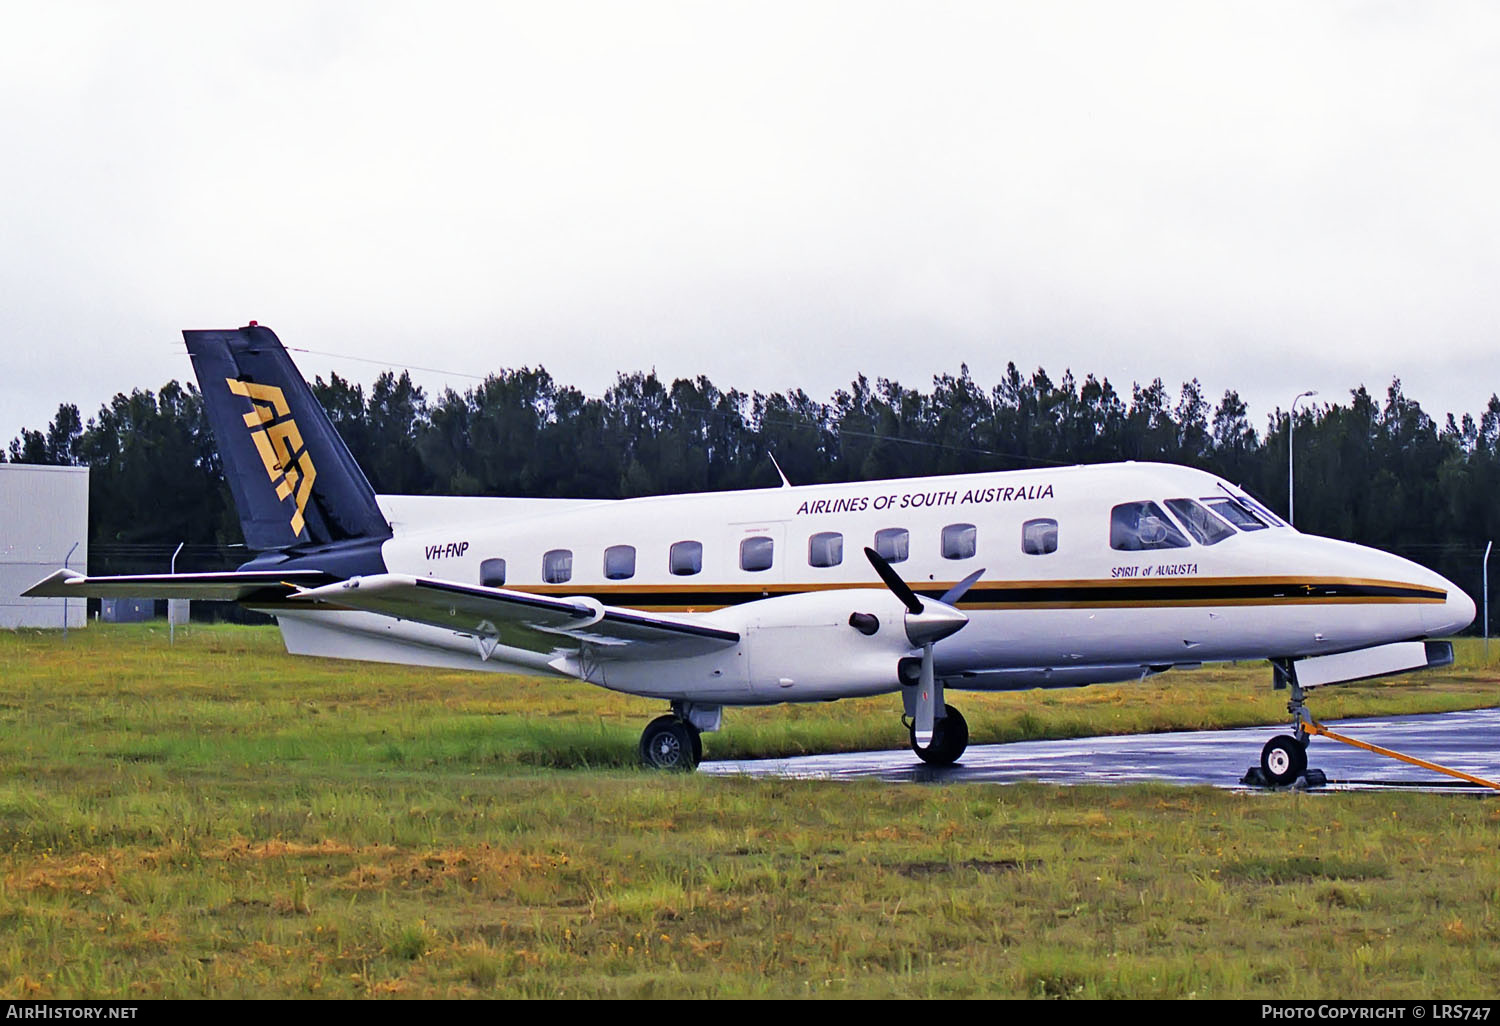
(1267, 196)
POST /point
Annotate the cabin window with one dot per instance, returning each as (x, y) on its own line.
(1137, 526)
(685, 558)
(893, 544)
(1237, 514)
(756, 553)
(492, 573)
(826, 548)
(1205, 528)
(1039, 537)
(959, 541)
(557, 566)
(619, 562)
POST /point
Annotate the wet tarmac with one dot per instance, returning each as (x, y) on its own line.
(1468, 741)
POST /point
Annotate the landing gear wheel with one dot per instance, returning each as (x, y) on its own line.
(668, 743)
(1283, 760)
(950, 736)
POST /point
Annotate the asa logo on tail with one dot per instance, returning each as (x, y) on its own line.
(279, 443)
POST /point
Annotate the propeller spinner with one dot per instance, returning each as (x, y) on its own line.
(927, 622)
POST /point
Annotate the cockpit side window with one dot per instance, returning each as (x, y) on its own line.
(1137, 526)
(1236, 512)
(1205, 528)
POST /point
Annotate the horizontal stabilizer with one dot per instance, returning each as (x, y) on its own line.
(234, 586)
(517, 619)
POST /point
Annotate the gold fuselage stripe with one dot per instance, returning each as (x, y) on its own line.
(1174, 592)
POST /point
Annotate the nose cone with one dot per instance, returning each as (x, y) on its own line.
(1431, 618)
(1452, 616)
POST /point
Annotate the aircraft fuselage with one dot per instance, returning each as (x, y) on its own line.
(1064, 599)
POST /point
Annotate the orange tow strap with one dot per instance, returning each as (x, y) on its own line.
(1317, 728)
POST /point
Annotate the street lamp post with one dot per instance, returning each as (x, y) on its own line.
(1291, 433)
(171, 622)
(1486, 576)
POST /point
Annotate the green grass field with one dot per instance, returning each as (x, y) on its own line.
(218, 819)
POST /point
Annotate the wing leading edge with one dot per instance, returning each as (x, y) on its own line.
(535, 623)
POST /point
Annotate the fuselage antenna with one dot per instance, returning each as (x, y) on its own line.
(784, 482)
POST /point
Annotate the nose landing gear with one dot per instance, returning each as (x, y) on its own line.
(1284, 758)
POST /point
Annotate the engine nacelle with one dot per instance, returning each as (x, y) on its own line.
(793, 648)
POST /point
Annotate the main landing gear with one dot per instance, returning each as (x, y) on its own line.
(675, 741)
(922, 704)
(950, 736)
(671, 744)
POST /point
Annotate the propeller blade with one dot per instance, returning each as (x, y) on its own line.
(953, 594)
(893, 581)
(925, 700)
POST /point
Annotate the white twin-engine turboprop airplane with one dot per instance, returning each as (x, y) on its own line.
(995, 581)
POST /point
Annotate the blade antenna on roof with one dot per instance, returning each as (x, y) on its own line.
(784, 482)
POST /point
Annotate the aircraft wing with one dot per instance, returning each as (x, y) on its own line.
(536, 623)
(233, 586)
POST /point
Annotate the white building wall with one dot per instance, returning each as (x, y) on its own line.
(43, 511)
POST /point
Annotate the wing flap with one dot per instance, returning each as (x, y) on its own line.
(535, 623)
(234, 586)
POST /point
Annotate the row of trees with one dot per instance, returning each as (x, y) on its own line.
(1381, 473)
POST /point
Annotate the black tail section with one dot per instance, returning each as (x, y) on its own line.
(294, 481)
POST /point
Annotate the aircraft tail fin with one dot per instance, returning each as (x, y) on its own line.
(294, 481)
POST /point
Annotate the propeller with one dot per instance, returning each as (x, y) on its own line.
(927, 622)
(957, 592)
(894, 582)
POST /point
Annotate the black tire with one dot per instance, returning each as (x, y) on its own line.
(667, 743)
(1283, 760)
(950, 737)
(697, 737)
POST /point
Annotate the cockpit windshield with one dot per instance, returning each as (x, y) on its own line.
(1236, 512)
(1205, 528)
(1260, 509)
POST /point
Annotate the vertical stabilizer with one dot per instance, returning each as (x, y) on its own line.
(294, 481)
